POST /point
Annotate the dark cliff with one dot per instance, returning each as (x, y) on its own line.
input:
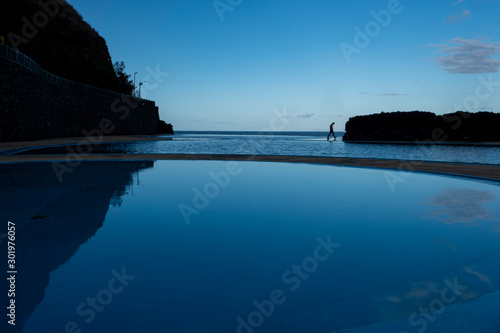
(425, 126)
(34, 104)
(54, 35)
(32, 108)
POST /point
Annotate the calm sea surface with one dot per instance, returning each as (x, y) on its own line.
(293, 143)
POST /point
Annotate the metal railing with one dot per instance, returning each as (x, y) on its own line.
(23, 60)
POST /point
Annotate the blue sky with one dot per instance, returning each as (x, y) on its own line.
(237, 64)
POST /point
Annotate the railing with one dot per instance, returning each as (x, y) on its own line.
(23, 60)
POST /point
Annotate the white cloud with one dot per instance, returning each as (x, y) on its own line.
(463, 205)
(384, 94)
(220, 122)
(198, 120)
(305, 115)
(458, 18)
(456, 3)
(469, 56)
(393, 94)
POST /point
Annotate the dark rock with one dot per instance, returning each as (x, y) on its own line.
(66, 45)
(165, 128)
(33, 107)
(424, 126)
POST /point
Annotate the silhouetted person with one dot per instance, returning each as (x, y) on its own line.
(331, 132)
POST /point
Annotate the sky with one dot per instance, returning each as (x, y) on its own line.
(255, 65)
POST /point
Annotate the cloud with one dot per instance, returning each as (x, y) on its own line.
(462, 205)
(469, 56)
(198, 120)
(224, 122)
(384, 94)
(484, 278)
(393, 94)
(456, 3)
(305, 115)
(458, 18)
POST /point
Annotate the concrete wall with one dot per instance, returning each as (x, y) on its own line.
(33, 108)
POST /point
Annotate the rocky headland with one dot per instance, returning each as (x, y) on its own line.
(50, 68)
(424, 127)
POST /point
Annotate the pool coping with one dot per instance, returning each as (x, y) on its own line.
(428, 143)
(23, 145)
(400, 167)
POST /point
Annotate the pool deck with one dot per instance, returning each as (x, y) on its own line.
(481, 171)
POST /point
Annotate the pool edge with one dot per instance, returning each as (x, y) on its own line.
(474, 171)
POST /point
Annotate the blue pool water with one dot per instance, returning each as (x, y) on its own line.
(219, 246)
(291, 143)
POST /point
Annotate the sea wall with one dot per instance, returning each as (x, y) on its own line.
(34, 107)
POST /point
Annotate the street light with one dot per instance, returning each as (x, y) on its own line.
(135, 87)
(140, 84)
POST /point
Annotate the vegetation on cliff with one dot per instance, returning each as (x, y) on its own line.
(425, 126)
(54, 34)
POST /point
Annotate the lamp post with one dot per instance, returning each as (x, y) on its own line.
(140, 84)
(135, 87)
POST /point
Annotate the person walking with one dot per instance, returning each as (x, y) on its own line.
(331, 132)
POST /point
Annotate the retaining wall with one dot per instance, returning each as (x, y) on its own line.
(33, 108)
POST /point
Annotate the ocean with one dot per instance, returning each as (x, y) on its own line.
(292, 144)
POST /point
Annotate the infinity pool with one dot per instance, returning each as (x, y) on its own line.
(220, 246)
(287, 144)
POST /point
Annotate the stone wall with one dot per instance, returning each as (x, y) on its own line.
(33, 108)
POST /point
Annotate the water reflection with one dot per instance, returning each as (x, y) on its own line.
(462, 205)
(264, 222)
(54, 219)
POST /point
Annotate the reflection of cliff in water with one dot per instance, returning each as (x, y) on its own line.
(53, 219)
